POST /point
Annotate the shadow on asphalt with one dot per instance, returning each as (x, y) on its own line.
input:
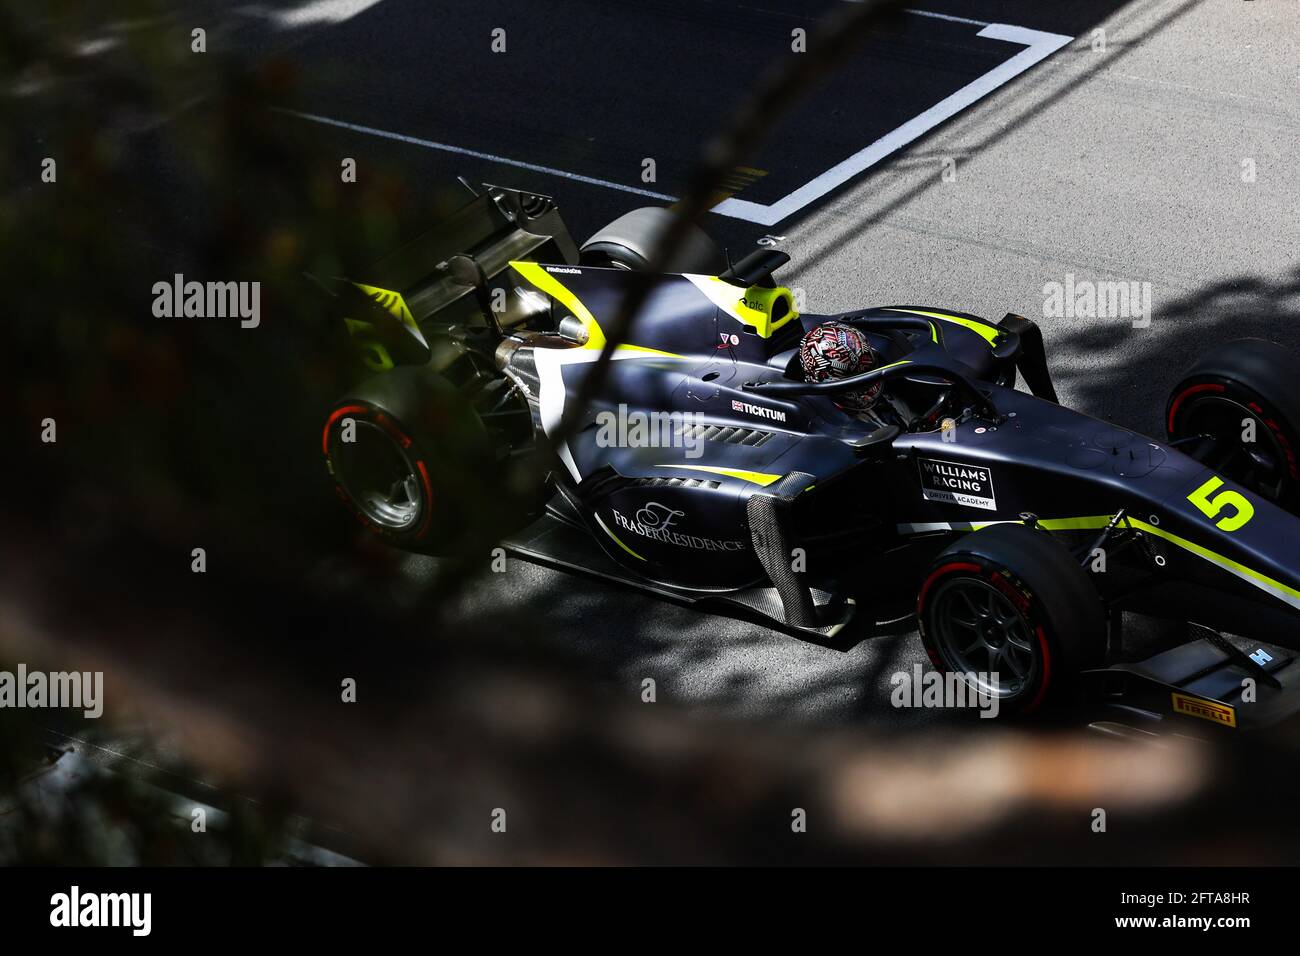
(856, 227)
(1136, 383)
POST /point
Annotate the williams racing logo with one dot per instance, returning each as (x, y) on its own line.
(773, 413)
(958, 484)
(658, 523)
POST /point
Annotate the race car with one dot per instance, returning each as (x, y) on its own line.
(710, 467)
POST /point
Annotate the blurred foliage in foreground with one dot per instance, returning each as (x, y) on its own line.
(58, 807)
(180, 433)
(172, 162)
(171, 433)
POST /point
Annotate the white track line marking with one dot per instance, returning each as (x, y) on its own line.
(942, 16)
(1038, 46)
(311, 13)
(462, 151)
(938, 16)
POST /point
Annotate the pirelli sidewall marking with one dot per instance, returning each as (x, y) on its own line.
(957, 483)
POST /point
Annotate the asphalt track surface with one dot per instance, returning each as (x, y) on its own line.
(1119, 163)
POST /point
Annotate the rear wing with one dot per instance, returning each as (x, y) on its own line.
(445, 276)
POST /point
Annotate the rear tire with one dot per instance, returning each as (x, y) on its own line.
(1247, 381)
(629, 241)
(410, 456)
(1012, 602)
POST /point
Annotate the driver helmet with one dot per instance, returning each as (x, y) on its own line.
(837, 350)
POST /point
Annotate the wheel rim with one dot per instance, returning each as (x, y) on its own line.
(979, 632)
(1259, 465)
(379, 478)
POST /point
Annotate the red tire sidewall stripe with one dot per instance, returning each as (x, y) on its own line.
(920, 600)
(939, 572)
(428, 495)
(1190, 390)
(1271, 423)
(334, 417)
(385, 421)
(1047, 671)
(986, 573)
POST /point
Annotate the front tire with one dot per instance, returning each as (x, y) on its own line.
(1012, 612)
(1244, 398)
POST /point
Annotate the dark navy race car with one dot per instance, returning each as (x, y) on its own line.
(707, 468)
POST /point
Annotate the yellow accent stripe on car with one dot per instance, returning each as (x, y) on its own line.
(1090, 523)
(614, 537)
(765, 302)
(1286, 593)
(891, 365)
(545, 282)
(553, 287)
(982, 329)
(729, 298)
(1282, 591)
(391, 302)
(752, 306)
(1047, 524)
(757, 477)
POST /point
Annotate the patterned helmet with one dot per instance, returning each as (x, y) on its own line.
(835, 350)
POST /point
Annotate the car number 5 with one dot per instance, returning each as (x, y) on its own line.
(1213, 507)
